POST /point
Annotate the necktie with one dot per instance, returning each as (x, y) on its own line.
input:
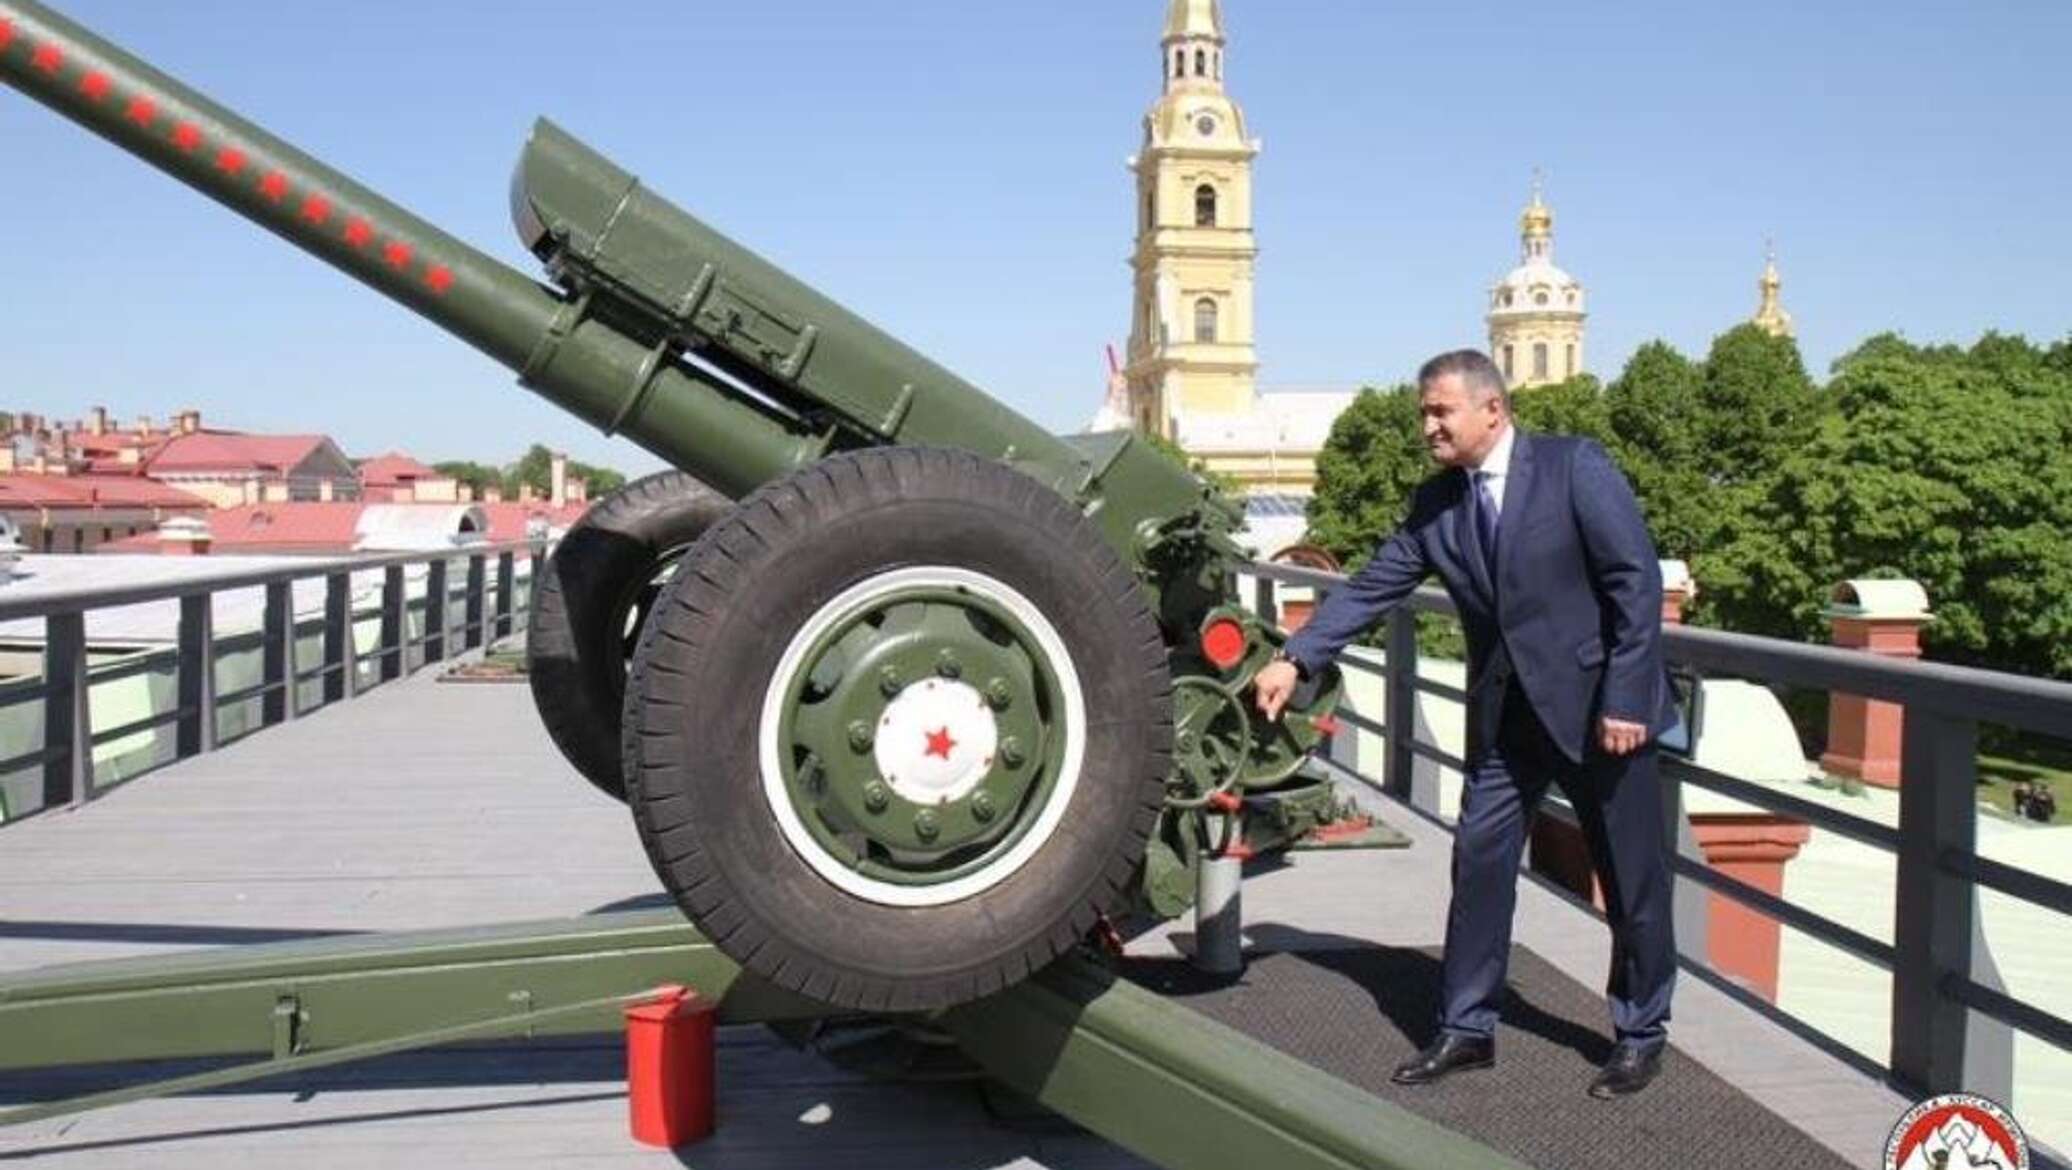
(1486, 520)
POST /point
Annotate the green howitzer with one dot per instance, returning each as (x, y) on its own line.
(904, 692)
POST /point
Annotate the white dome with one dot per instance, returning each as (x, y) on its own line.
(1537, 286)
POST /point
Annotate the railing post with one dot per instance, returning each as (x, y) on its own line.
(338, 637)
(278, 655)
(1400, 724)
(195, 733)
(393, 652)
(68, 775)
(435, 611)
(1932, 911)
(477, 567)
(1264, 596)
(506, 571)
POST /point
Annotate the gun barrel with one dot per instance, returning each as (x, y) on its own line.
(696, 422)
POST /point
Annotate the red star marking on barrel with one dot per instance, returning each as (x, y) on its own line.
(439, 279)
(140, 110)
(187, 136)
(230, 160)
(940, 743)
(6, 32)
(396, 254)
(94, 85)
(316, 209)
(358, 231)
(274, 186)
(47, 58)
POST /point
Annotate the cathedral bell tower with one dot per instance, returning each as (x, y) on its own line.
(1191, 343)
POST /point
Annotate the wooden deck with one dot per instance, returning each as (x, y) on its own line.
(428, 804)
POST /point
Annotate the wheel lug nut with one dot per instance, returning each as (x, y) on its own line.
(1011, 752)
(925, 825)
(875, 798)
(860, 736)
(999, 694)
(946, 665)
(982, 808)
(890, 682)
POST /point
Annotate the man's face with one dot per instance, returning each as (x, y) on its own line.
(1458, 430)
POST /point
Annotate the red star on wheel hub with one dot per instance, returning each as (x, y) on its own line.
(940, 743)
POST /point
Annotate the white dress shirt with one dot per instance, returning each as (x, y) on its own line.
(1496, 467)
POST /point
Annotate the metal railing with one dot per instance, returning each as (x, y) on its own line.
(1935, 984)
(69, 736)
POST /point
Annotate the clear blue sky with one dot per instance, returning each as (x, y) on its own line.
(955, 171)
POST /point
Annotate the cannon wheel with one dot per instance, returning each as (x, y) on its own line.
(899, 729)
(592, 597)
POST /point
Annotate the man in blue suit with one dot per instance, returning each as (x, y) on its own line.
(1541, 545)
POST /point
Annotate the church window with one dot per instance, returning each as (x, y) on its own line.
(1539, 360)
(1571, 360)
(1179, 62)
(1150, 209)
(1539, 298)
(1205, 321)
(1508, 375)
(1205, 206)
(1201, 63)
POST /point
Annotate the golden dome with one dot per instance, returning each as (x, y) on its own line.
(1538, 219)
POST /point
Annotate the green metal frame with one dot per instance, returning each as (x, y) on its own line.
(1148, 1074)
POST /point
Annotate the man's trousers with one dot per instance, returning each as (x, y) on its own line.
(1618, 802)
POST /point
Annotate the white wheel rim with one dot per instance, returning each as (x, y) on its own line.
(771, 751)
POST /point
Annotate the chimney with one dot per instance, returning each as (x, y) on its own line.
(189, 421)
(525, 493)
(492, 493)
(1865, 736)
(578, 490)
(184, 536)
(97, 422)
(1678, 589)
(143, 426)
(39, 465)
(557, 479)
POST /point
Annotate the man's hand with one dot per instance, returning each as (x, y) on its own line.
(1620, 738)
(1273, 686)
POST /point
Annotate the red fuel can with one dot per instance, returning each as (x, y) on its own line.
(669, 1066)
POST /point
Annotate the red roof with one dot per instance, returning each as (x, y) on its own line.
(507, 520)
(210, 451)
(92, 491)
(315, 526)
(394, 469)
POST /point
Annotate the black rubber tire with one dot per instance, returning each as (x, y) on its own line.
(706, 659)
(576, 648)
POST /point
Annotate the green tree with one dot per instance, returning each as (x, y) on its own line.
(1654, 406)
(1373, 460)
(1949, 466)
(1757, 406)
(1573, 407)
(474, 476)
(535, 468)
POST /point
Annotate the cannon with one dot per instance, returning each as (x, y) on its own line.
(904, 693)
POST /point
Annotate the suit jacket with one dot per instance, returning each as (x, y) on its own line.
(1574, 612)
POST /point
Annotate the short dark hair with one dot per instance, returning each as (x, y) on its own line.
(1477, 373)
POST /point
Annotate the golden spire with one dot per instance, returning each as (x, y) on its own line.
(1770, 316)
(1538, 220)
(1194, 20)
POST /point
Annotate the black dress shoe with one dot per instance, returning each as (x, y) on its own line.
(1628, 1071)
(1449, 1053)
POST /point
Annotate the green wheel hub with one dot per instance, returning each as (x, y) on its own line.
(922, 726)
